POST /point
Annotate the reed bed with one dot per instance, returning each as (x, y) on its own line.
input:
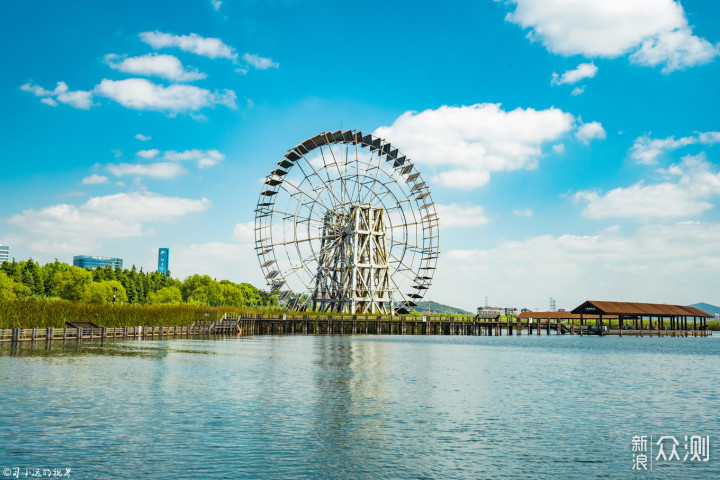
(42, 313)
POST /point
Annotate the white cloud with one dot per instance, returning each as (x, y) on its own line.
(166, 170)
(165, 66)
(193, 43)
(259, 62)
(142, 138)
(216, 4)
(152, 153)
(476, 140)
(646, 265)
(584, 70)
(558, 148)
(690, 184)
(204, 158)
(141, 94)
(578, 91)
(590, 131)
(220, 260)
(244, 232)
(675, 50)
(112, 216)
(466, 215)
(77, 98)
(656, 30)
(37, 90)
(525, 212)
(645, 150)
(95, 179)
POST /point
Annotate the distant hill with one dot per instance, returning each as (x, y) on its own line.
(706, 307)
(431, 306)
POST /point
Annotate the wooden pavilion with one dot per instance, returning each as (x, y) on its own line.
(643, 316)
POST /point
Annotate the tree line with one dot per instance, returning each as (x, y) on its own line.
(27, 278)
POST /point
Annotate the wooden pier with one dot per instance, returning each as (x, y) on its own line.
(227, 325)
(434, 325)
(314, 324)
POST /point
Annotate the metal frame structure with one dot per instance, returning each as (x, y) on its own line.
(345, 223)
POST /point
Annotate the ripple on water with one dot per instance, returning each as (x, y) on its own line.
(356, 407)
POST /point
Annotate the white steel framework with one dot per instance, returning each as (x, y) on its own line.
(345, 223)
(353, 272)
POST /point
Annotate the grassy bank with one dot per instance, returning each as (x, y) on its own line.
(42, 313)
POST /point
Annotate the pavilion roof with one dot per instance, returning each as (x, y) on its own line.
(595, 307)
(559, 315)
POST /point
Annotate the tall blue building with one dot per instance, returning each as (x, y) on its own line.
(164, 260)
(4, 253)
(86, 261)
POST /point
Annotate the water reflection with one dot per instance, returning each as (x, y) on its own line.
(353, 407)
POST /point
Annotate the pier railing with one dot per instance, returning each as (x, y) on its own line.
(313, 324)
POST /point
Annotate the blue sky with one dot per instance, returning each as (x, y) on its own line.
(571, 149)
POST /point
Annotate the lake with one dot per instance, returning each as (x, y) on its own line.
(361, 407)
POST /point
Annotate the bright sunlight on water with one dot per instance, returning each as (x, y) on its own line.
(359, 406)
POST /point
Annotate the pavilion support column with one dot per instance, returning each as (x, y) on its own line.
(620, 324)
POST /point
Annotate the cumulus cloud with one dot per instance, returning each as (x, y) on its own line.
(204, 158)
(642, 265)
(259, 62)
(112, 216)
(675, 50)
(76, 99)
(244, 232)
(583, 71)
(590, 131)
(193, 43)
(165, 170)
(141, 94)
(525, 212)
(164, 66)
(95, 179)
(216, 4)
(578, 91)
(236, 262)
(152, 153)
(455, 215)
(645, 150)
(142, 138)
(656, 32)
(475, 140)
(689, 186)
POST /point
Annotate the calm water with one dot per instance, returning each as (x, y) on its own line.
(358, 407)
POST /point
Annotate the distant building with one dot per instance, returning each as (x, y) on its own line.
(497, 311)
(4, 253)
(164, 260)
(86, 261)
(717, 317)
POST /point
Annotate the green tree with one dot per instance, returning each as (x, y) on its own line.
(103, 292)
(165, 296)
(71, 284)
(201, 290)
(11, 289)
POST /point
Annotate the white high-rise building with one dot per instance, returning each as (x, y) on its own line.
(4, 253)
